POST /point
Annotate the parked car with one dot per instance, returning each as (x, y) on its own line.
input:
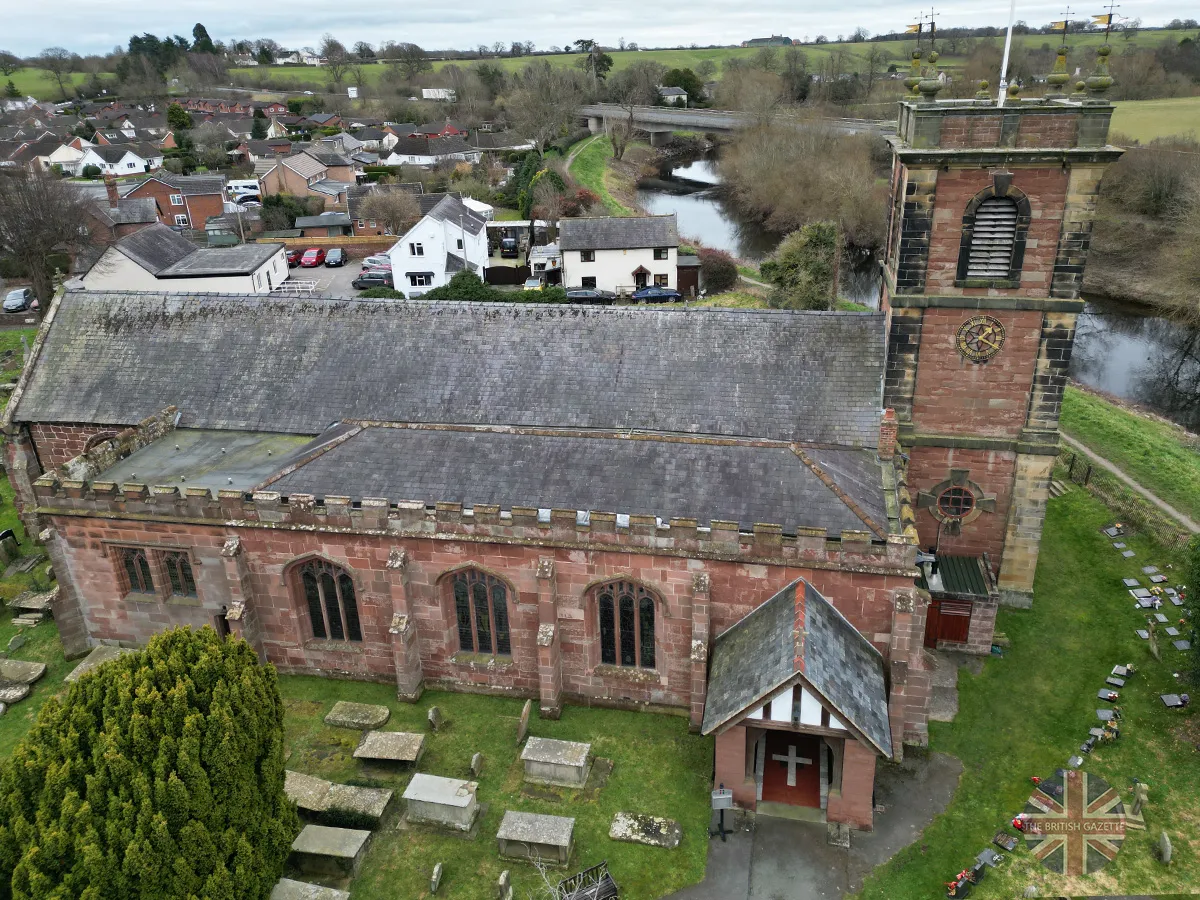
(293, 258)
(313, 256)
(372, 278)
(590, 295)
(656, 294)
(250, 202)
(335, 257)
(19, 300)
(533, 283)
(509, 248)
(379, 261)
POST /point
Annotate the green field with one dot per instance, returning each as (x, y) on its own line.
(1146, 120)
(39, 84)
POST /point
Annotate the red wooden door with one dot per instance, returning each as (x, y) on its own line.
(800, 753)
(932, 620)
(954, 621)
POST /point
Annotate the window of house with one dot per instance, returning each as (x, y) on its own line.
(329, 595)
(993, 240)
(660, 253)
(626, 612)
(177, 199)
(416, 250)
(130, 165)
(135, 563)
(179, 573)
(660, 280)
(481, 611)
(360, 223)
(420, 279)
(181, 220)
(460, 244)
(588, 281)
(587, 255)
(372, 223)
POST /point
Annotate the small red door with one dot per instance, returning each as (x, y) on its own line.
(932, 620)
(954, 621)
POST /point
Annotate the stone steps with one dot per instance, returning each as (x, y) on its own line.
(1057, 488)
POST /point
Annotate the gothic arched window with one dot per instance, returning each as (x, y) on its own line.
(328, 593)
(626, 613)
(481, 612)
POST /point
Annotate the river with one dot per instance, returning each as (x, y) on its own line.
(1119, 349)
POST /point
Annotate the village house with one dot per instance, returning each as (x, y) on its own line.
(160, 260)
(673, 96)
(447, 94)
(119, 159)
(314, 172)
(450, 238)
(327, 224)
(428, 152)
(619, 254)
(114, 216)
(364, 226)
(184, 201)
(499, 142)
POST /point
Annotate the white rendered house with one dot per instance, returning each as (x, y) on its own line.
(449, 239)
(619, 254)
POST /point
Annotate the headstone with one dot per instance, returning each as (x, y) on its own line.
(287, 889)
(13, 693)
(391, 747)
(504, 890)
(1141, 593)
(564, 763)
(16, 642)
(1141, 795)
(1075, 762)
(989, 857)
(1004, 840)
(320, 850)
(1164, 849)
(523, 724)
(1182, 645)
(97, 657)
(653, 831)
(1030, 891)
(1160, 618)
(435, 718)
(446, 802)
(1130, 582)
(1104, 714)
(525, 835)
(435, 880)
(476, 765)
(3, 709)
(362, 716)
(1118, 545)
(1121, 671)
(1106, 694)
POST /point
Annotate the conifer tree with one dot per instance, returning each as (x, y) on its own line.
(158, 777)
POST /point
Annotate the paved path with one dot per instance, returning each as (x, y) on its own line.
(1191, 524)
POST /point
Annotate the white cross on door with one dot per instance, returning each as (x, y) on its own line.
(792, 760)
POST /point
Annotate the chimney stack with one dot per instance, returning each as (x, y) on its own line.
(888, 427)
(110, 184)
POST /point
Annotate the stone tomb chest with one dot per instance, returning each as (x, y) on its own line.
(532, 836)
(564, 763)
(287, 889)
(329, 851)
(448, 802)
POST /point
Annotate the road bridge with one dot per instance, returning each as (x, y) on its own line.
(660, 121)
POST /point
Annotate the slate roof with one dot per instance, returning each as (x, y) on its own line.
(370, 133)
(779, 375)
(672, 92)
(304, 165)
(613, 233)
(419, 146)
(242, 259)
(454, 211)
(129, 211)
(156, 247)
(701, 480)
(191, 185)
(327, 156)
(763, 652)
(335, 218)
(498, 140)
(330, 187)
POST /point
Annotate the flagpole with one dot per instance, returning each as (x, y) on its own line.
(1012, 15)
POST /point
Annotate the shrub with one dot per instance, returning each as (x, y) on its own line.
(158, 775)
(381, 293)
(718, 269)
(804, 268)
(91, 172)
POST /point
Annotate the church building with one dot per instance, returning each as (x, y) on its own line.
(758, 519)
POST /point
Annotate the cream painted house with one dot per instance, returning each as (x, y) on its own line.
(450, 238)
(161, 260)
(619, 254)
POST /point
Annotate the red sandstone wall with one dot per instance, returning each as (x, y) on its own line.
(991, 470)
(853, 804)
(956, 396)
(730, 767)
(56, 444)
(735, 590)
(970, 131)
(1047, 190)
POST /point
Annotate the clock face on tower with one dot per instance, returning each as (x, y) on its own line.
(980, 338)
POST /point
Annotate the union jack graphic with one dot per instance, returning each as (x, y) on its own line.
(1075, 823)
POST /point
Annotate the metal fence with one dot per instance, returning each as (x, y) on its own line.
(1116, 495)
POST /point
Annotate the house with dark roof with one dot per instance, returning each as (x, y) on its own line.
(184, 201)
(448, 239)
(365, 226)
(421, 151)
(499, 141)
(159, 259)
(620, 254)
(115, 215)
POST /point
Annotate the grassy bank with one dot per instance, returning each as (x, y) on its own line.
(1145, 120)
(1028, 711)
(591, 168)
(1158, 455)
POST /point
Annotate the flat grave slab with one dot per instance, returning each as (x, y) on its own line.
(1118, 545)
(1143, 634)
(1171, 631)
(1115, 681)
(1149, 570)
(1096, 732)
(13, 693)
(1141, 594)
(287, 889)
(988, 857)
(1115, 530)
(564, 763)
(1131, 582)
(367, 806)
(1145, 603)
(1171, 701)
(1107, 695)
(525, 835)
(1175, 599)
(1157, 579)
(34, 601)
(391, 747)
(357, 715)
(1128, 554)
(96, 658)
(1182, 645)
(653, 831)
(1075, 761)
(448, 802)
(310, 794)
(1121, 671)
(320, 850)
(1160, 618)
(1104, 714)
(20, 672)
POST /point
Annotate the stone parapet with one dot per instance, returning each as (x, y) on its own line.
(1020, 124)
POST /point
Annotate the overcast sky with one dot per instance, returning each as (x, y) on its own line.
(28, 27)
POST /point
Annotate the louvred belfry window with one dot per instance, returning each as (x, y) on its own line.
(993, 240)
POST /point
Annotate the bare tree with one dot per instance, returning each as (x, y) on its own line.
(58, 64)
(548, 204)
(40, 216)
(406, 60)
(395, 209)
(10, 63)
(363, 50)
(210, 135)
(706, 69)
(629, 89)
(546, 99)
(874, 64)
(336, 58)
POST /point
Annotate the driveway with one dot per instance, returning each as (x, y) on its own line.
(778, 859)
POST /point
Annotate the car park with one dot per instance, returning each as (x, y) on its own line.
(372, 278)
(590, 295)
(19, 300)
(656, 294)
(335, 257)
(313, 256)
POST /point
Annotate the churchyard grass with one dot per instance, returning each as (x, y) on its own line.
(1145, 120)
(1030, 710)
(660, 769)
(1160, 456)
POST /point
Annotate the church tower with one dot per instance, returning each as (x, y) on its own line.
(990, 225)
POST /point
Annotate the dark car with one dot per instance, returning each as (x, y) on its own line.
(335, 257)
(371, 279)
(294, 258)
(19, 300)
(313, 256)
(509, 248)
(656, 294)
(590, 295)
